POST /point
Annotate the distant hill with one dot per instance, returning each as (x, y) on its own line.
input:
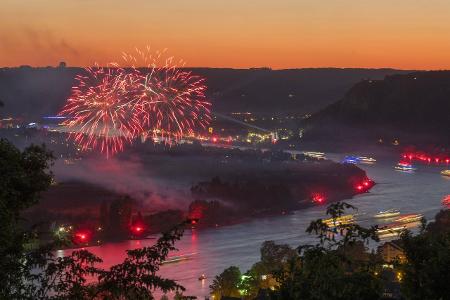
(35, 92)
(414, 106)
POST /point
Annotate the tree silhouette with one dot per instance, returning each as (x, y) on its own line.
(226, 284)
(24, 174)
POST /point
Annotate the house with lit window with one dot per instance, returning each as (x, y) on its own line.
(391, 251)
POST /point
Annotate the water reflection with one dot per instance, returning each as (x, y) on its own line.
(218, 248)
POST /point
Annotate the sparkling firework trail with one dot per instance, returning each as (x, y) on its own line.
(98, 111)
(109, 107)
(170, 101)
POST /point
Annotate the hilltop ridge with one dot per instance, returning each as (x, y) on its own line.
(415, 106)
(36, 92)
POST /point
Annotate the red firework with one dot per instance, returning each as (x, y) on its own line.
(98, 112)
(109, 107)
(170, 101)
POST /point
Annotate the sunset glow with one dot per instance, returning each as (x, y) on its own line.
(407, 34)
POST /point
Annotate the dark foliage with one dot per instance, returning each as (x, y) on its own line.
(23, 175)
(426, 272)
(32, 271)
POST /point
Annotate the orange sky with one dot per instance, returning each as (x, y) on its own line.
(407, 34)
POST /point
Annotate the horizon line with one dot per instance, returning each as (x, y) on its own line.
(261, 68)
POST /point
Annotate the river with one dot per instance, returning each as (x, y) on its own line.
(213, 250)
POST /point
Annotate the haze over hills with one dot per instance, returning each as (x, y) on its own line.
(414, 106)
(36, 92)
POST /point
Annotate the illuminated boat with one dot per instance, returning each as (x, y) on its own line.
(392, 230)
(342, 220)
(387, 213)
(177, 258)
(396, 228)
(409, 218)
(318, 155)
(445, 173)
(202, 277)
(405, 167)
(446, 200)
(350, 160)
(366, 160)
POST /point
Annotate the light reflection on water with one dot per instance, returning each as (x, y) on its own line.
(218, 248)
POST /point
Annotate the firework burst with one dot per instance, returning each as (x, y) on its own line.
(109, 107)
(170, 101)
(98, 111)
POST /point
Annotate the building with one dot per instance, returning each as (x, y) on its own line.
(391, 251)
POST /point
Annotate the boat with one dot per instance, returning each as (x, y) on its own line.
(354, 159)
(177, 258)
(387, 213)
(396, 228)
(367, 160)
(405, 167)
(202, 277)
(350, 160)
(392, 230)
(409, 218)
(342, 220)
(318, 155)
(445, 173)
(446, 200)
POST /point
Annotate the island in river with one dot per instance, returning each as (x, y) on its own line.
(103, 200)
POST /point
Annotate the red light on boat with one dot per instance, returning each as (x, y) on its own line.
(318, 198)
(81, 237)
(359, 187)
(137, 229)
(366, 183)
(446, 201)
(437, 158)
(214, 139)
